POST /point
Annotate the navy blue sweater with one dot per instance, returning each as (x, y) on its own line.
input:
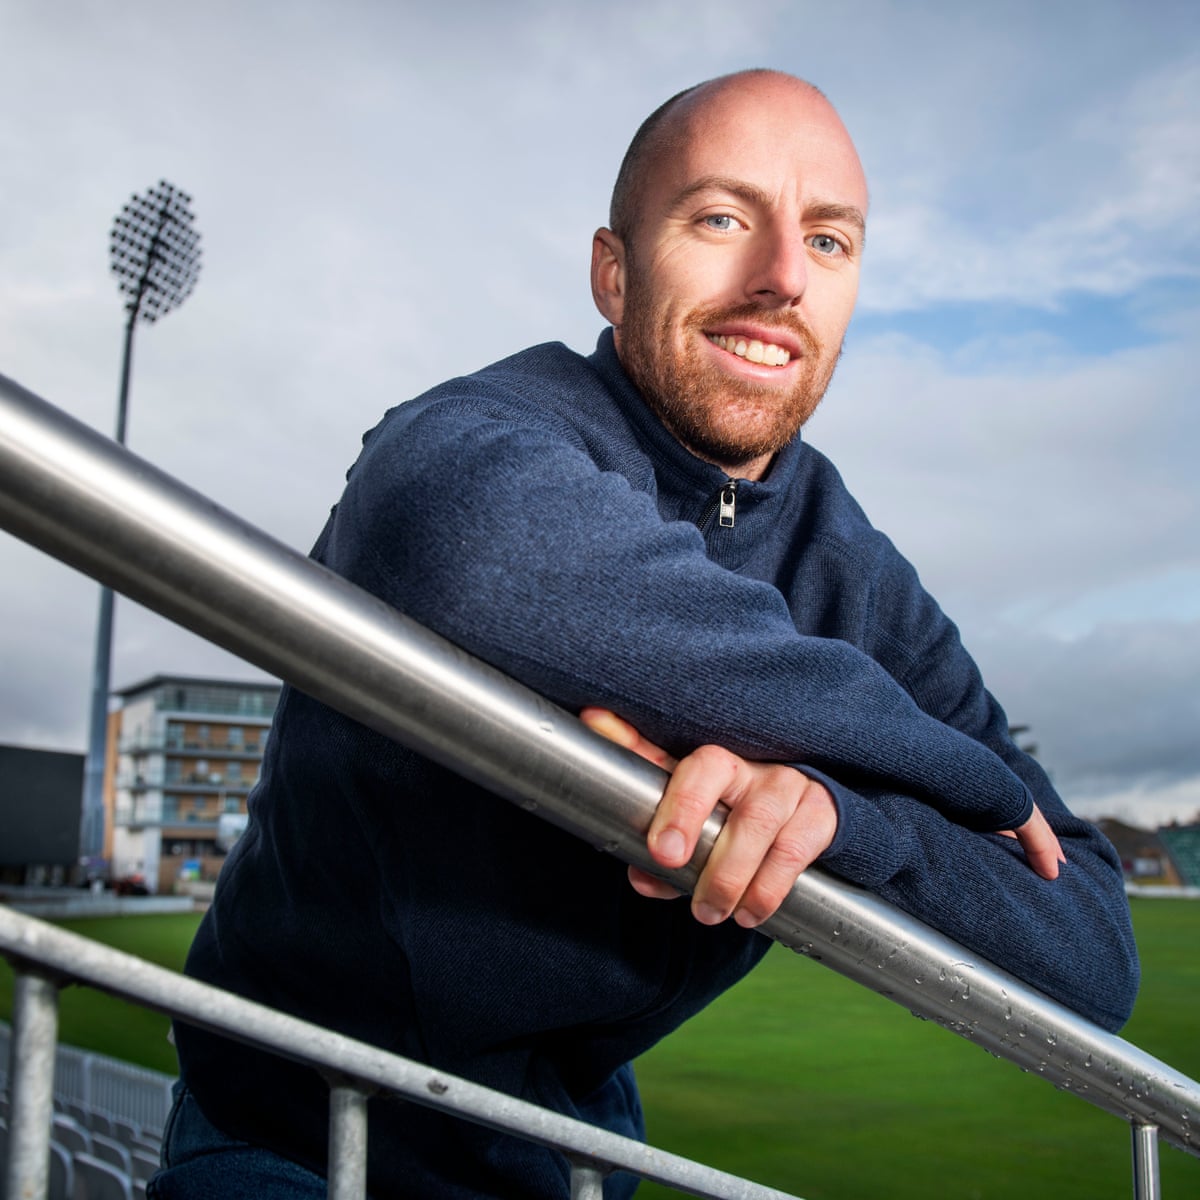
(539, 515)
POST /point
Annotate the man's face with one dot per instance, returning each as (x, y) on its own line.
(741, 272)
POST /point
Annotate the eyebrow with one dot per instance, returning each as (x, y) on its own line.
(818, 210)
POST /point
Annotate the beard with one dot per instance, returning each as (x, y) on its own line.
(718, 417)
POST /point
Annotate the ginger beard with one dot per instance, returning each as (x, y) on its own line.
(717, 416)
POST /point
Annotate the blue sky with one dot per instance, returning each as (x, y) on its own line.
(393, 193)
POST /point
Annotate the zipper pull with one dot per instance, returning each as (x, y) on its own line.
(728, 505)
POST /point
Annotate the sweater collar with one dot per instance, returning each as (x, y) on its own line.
(662, 445)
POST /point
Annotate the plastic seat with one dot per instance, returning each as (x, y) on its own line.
(126, 1131)
(143, 1163)
(68, 1132)
(112, 1152)
(97, 1180)
(62, 1174)
(99, 1122)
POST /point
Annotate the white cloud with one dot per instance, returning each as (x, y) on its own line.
(1119, 212)
(1023, 489)
(390, 194)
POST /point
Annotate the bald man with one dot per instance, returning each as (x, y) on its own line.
(643, 536)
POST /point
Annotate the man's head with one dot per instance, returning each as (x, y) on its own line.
(731, 268)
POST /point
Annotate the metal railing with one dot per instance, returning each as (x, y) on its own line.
(79, 496)
(45, 956)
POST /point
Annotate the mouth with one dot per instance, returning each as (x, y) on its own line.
(752, 349)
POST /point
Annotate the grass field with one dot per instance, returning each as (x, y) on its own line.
(802, 1080)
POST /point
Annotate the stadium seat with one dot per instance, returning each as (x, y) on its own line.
(143, 1163)
(112, 1151)
(68, 1132)
(97, 1180)
(98, 1122)
(126, 1131)
(62, 1174)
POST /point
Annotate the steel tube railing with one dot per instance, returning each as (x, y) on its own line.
(587, 1182)
(31, 1075)
(76, 494)
(347, 1142)
(1145, 1163)
(60, 953)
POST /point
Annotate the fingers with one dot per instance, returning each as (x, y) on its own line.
(651, 886)
(776, 829)
(779, 822)
(609, 725)
(1041, 845)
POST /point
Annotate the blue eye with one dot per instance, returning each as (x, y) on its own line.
(822, 243)
(722, 222)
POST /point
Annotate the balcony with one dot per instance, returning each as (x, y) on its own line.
(250, 750)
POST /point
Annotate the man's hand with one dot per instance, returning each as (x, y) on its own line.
(1040, 844)
(779, 822)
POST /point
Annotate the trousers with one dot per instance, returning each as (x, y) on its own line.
(199, 1162)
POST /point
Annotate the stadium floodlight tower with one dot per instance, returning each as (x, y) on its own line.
(155, 254)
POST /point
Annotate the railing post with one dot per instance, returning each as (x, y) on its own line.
(31, 1079)
(347, 1142)
(587, 1180)
(1145, 1162)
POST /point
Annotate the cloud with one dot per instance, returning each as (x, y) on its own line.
(1113, 710)
(1119, 213)
(1023, 488)
(389, 195)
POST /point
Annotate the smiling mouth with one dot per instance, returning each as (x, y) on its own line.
(752, 350)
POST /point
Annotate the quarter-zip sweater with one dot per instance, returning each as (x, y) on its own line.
(539, 515)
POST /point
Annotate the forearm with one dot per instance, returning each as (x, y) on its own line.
(1069, 937)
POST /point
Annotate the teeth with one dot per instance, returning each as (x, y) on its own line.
(753, 351)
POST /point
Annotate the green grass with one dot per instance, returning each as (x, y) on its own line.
(800, 1079)
(95, 1021)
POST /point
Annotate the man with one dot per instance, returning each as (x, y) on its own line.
(641, 536)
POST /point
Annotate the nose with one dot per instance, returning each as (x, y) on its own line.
(778, 271)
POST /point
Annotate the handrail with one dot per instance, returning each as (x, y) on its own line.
(46, 955)
(79, 496)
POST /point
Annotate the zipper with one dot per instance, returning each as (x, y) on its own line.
(723, 506)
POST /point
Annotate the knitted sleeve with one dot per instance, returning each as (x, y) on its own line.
(502, 536)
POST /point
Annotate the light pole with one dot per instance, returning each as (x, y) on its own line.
(155, 254)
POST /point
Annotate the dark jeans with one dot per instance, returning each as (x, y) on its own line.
(201, 1163)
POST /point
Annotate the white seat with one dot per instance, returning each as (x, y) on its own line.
(143, 1163)
(62, 1174)
(97, 1180)
(69, 1133)
(112, 1152)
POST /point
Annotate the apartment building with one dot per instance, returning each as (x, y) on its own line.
(188, 753)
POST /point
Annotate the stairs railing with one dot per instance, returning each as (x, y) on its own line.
(78, 495)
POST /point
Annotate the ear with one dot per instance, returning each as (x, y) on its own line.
(608, 275)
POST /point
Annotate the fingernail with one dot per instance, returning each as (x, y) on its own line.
(707, 915)
(746, 919)
(670, 845)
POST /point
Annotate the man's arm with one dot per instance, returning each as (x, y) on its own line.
(971, 886)
(506, 538)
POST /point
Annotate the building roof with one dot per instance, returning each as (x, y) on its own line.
(157, 681)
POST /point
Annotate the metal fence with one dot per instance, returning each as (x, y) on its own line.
(83, 498)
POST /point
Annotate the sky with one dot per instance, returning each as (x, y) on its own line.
(390, 194)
